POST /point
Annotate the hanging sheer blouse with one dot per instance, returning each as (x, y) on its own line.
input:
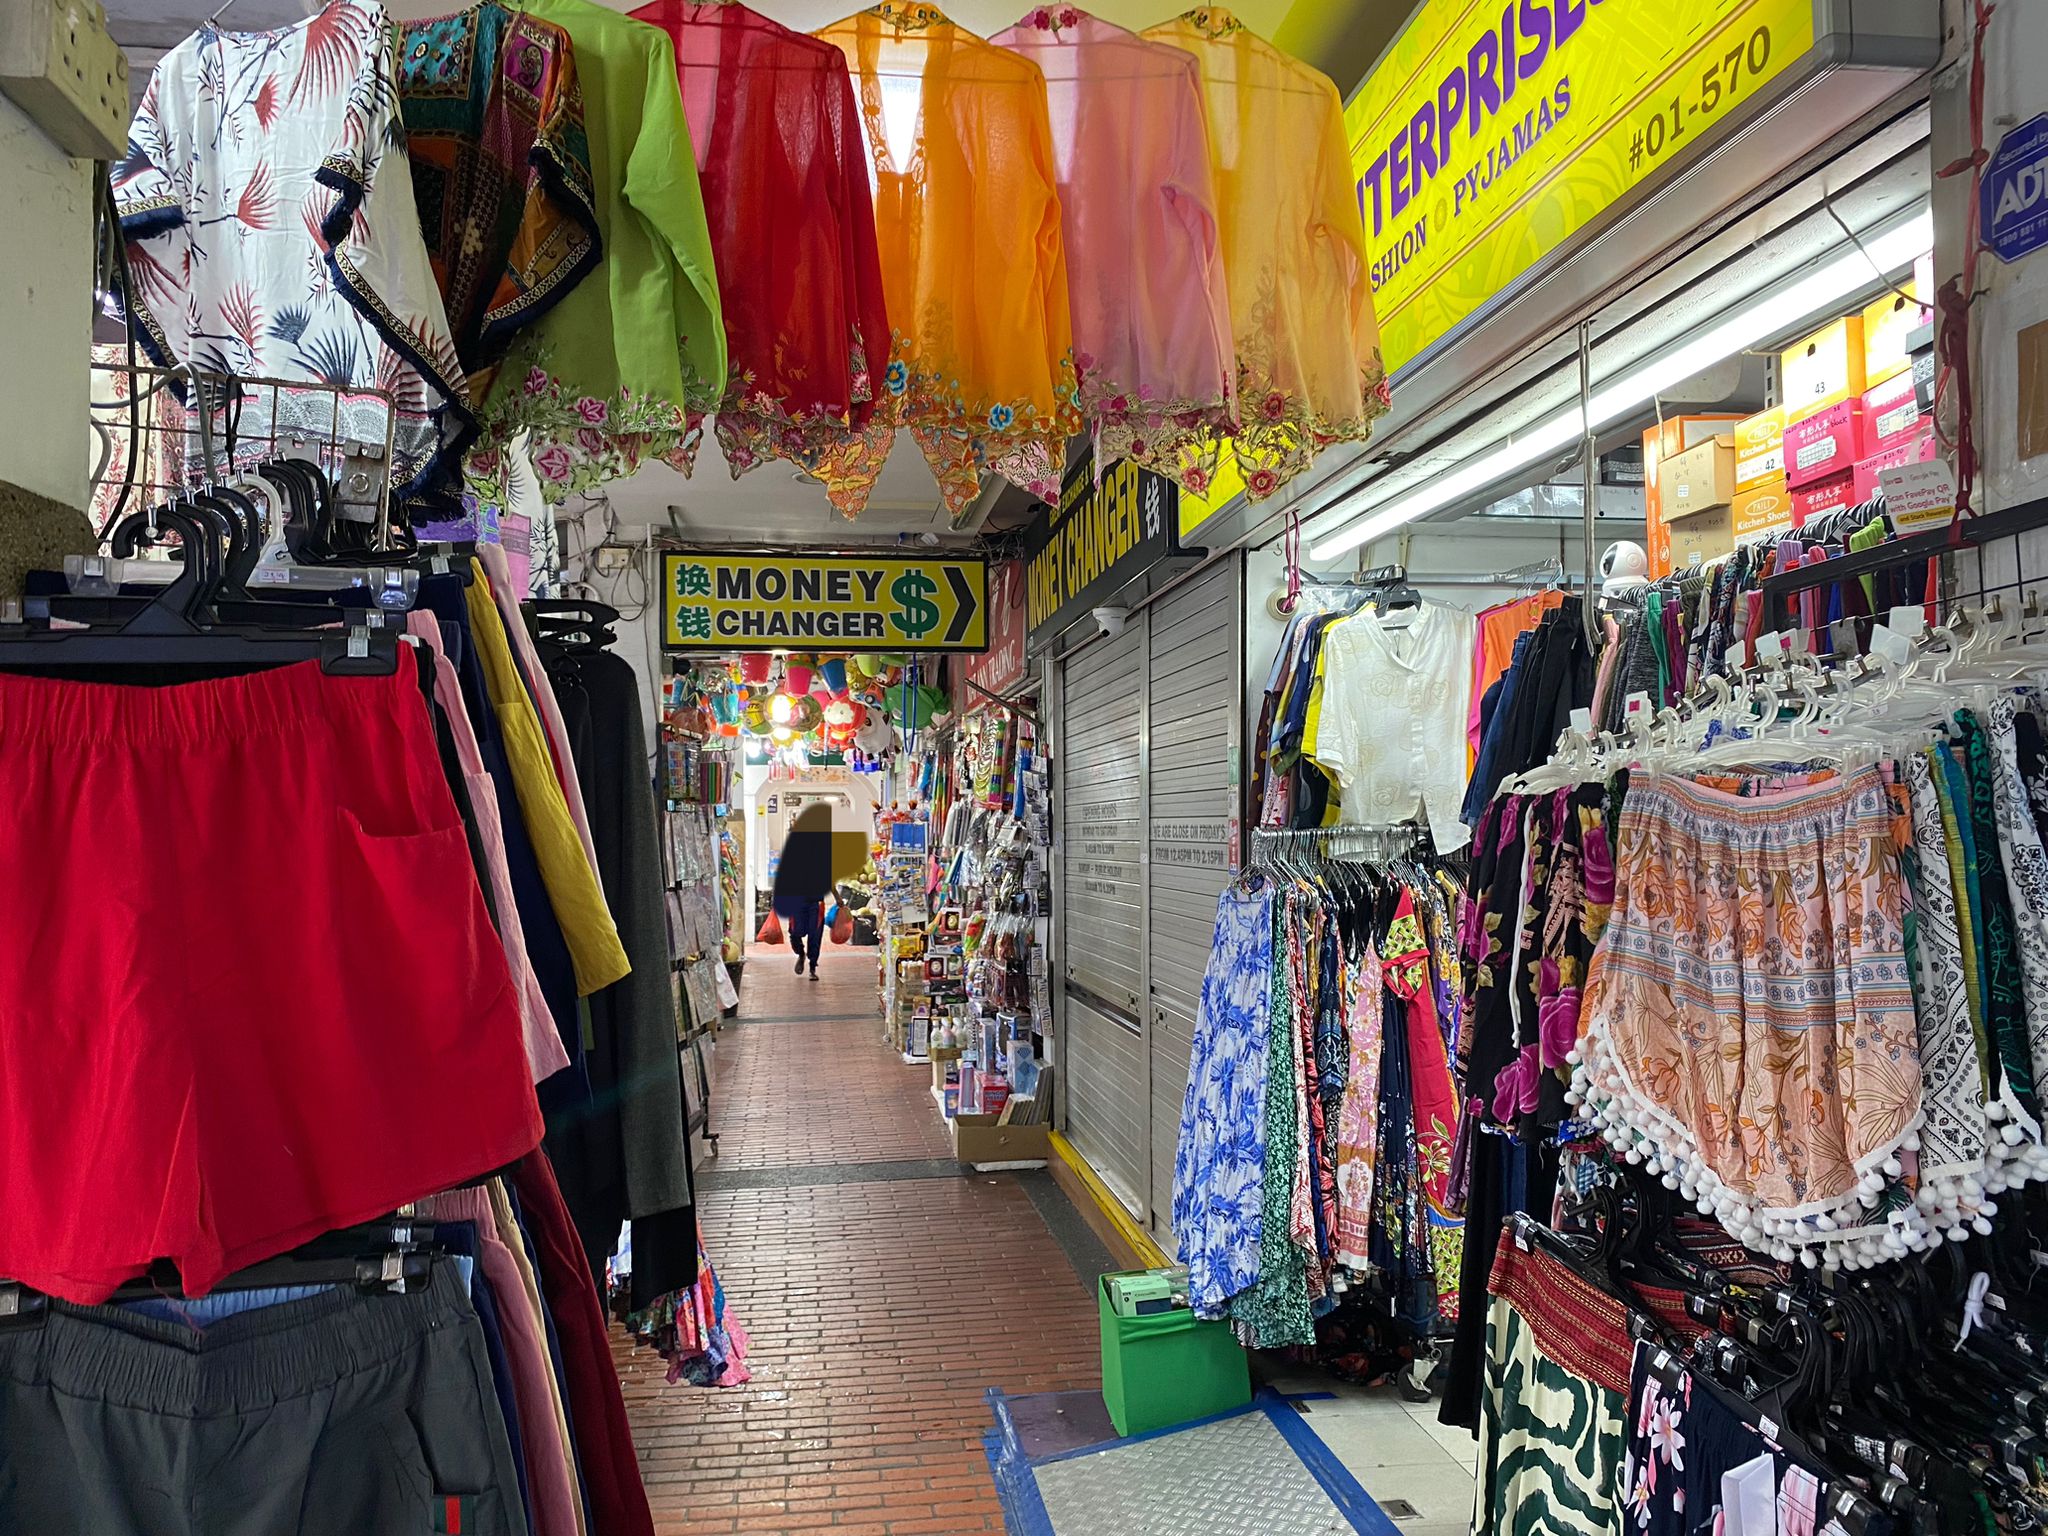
(501, 169)
(1308, 348)
(272, 233)
(609, 377)
(967, 217)
(785, 179)
(1151, 305)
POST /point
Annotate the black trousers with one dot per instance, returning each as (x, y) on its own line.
(808, 928)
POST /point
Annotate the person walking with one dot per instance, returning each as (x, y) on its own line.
(803, 878)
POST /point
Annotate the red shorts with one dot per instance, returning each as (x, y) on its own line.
(249, 989)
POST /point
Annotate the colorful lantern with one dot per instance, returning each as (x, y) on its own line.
(756, 666)
(834, 673)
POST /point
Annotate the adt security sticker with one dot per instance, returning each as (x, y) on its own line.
(2013, 212)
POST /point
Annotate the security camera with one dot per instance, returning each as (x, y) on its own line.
(1110, 621)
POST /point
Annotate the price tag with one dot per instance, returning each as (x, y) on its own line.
(1795, 642)
(1635, 704)
(358, 645)
(1770, 647)
(1768, 1428)
(1919, 496)
(1663, 1359)
(1910, 620)
(1582, 721)
(1737, 656)
(1890, 644)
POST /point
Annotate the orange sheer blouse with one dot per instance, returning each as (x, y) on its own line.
(967, 217)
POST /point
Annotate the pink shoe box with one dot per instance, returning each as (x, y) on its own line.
(1826, 444)
(1821, 496)
(1891, 415)
(1915, 450)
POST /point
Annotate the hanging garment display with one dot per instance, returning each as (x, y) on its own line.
(784, 173)
(273, 233)
(622, 1154)
(197, 1072)
(1395, 690)
(967, 218)
(1309, 372)
(1316, 1138)
(607, 378)
(1153, 349)
(501, 169)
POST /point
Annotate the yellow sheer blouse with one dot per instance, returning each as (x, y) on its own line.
(1308, 347)
(967, 216)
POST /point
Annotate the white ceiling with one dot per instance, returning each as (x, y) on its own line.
(775, 503)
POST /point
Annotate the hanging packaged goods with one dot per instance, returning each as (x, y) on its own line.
(1099, 537)
(1489, 137)
(712, 601)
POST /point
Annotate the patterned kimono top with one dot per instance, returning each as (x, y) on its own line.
(272, 233)
(501, 169)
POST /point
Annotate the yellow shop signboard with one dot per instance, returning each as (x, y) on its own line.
(719, 602)
(1493, 131)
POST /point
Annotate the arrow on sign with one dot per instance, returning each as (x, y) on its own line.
(967, 604)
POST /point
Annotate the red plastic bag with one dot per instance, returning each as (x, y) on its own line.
(842, 924)
(771, 930)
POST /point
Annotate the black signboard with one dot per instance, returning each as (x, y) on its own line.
(1097, 539)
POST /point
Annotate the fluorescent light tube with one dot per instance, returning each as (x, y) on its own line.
(1770, 316)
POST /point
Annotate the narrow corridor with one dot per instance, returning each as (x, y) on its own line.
(884, 1291)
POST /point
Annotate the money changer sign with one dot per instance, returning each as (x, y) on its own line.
(717, 602)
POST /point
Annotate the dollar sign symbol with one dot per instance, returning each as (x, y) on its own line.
(919, 615)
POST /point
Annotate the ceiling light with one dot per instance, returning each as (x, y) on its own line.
(781, 709)
(1757, 322)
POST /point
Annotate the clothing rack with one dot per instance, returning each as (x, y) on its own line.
(1966, 533)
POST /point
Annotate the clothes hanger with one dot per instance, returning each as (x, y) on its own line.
(173, 628)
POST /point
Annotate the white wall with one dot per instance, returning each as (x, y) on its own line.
(2012, 298)
(46, 296)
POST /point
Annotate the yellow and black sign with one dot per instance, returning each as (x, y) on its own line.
(1094, 541)
(719, 602)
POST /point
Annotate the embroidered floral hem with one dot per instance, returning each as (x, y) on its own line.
(959, 440)
(1282, 434)
(579, 441)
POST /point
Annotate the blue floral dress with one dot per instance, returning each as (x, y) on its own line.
(1219, 1166)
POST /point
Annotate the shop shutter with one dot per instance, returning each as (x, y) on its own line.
(1101, 807)
(1105, 1097)
(1100, 804)
(1192, 714)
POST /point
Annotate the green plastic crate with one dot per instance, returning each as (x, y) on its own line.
(1167, 1368)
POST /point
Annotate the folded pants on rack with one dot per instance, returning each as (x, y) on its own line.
(338, 1415)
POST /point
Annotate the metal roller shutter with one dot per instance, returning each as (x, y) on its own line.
(1192, 726)
(1100, 800)
(1148, 726)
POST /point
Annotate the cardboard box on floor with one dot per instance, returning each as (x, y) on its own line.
(985, 1139)
(1667, 439)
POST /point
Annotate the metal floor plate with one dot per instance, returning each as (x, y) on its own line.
(1236, 1477)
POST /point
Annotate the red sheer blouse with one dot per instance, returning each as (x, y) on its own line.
(780, 158)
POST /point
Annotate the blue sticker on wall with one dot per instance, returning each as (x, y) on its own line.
(2013, 213)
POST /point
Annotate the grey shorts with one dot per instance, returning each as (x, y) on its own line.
(336, 1415)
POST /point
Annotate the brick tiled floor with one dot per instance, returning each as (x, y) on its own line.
(881, 1312)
